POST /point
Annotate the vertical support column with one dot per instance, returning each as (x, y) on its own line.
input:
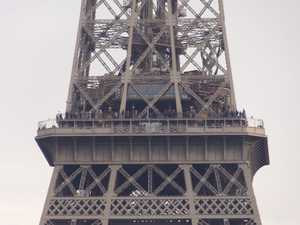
(75, 148)
(174, 73)
(149, 141)
(112, 148)
(74, 73)
(131, 149)
(50, 194)
(205, 148)
(110, 192)
(225, 148)
(189, 192)
(127, 75)
(168, 148)
(187, 148)
(228, 65)
(94, 148)
(248, 179)
(218, 179)
(150, 179)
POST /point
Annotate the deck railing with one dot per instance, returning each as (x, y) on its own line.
(149, 125)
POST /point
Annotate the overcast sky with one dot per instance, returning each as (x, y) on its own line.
(36, 49)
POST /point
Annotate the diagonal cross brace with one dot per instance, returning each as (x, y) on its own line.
(146, 100)
(168, 180)
(129, 180)
(153, 101)
(132, 180)
(232, 179)
(203, 180)
(97, 179)
(68, 181)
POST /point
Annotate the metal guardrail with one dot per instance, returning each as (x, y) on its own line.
(149, 125)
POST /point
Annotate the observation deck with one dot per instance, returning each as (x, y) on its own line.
(151, 127)
(88, 140)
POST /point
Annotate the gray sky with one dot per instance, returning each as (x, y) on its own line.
(36, 49)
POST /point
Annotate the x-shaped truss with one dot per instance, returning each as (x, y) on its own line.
(216, 171)
(82, 172)
(133, 180)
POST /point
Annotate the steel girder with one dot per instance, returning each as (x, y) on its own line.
(200, 193)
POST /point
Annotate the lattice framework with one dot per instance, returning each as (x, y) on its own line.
(143, 58)
(190, 50)
(147, 191)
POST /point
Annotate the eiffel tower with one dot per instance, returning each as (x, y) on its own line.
(151, 134)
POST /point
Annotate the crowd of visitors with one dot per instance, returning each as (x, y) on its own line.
(133, 113)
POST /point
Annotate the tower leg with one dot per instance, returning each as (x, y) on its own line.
(110, 192)
(247, 171)
(43, 220)
(224, 194)
(189, 192)
(76, 195)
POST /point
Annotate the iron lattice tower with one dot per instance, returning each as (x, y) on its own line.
(151, 133)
